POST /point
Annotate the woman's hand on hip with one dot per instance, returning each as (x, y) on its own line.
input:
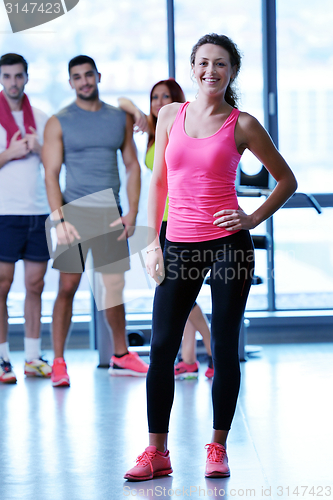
(155, 265)
(233, 220)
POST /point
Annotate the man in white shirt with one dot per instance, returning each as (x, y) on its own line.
(23, 210)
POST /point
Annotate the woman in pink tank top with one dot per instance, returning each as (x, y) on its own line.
(198, 148)
(162, 93)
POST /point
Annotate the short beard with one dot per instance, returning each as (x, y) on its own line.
(15, 97)
(92, 97)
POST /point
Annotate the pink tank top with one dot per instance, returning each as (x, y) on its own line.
(201, 179)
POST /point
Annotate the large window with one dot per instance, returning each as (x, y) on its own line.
(304, 259)
(304, 239)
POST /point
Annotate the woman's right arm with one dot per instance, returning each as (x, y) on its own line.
(140, 119)
(158, 190)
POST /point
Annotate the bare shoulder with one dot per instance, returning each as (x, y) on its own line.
(169, 111)
(248, 122)
(248, 131)
(167, 115)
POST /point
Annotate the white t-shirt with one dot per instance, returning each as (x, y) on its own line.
(22, 185)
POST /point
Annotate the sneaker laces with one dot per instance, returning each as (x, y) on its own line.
(44, 360)
(215, 452)
(38, 359)
(145, 458)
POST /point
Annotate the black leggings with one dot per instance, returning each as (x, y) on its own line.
(231, 262)
(162, 243)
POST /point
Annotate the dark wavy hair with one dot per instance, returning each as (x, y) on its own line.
(11, 59)
(81, 59)
(177, 95)
(235, 60)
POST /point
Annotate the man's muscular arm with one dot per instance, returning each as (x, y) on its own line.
(52, 157)
(133, 172)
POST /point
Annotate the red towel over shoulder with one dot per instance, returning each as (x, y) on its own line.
(7, 120)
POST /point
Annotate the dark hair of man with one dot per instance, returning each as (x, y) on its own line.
(11, 59)
(235, 60)
(76, 61)
(176, 94)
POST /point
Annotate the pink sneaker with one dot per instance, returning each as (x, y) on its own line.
(59, 375)
(217, 461)
(210, 369)
(130, 364)
(184, 370)
(151, 463)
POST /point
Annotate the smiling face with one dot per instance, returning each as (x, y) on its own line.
(13, 78)
(84, 79)
(160, 97)
(212, 69)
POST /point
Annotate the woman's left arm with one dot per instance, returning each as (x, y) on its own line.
(251, 135)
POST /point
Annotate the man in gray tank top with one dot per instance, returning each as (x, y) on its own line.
(86, 136)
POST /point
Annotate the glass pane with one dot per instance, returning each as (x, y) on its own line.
(305, 68)
(304, 259)
(242, 23)
(303, 239)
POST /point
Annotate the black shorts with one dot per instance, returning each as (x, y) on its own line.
(23, 237)
(93, 225)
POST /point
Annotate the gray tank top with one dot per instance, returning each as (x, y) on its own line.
(91, 140)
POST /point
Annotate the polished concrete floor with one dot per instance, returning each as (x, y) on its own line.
(76, 443)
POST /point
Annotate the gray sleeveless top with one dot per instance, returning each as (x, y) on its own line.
(91, 140)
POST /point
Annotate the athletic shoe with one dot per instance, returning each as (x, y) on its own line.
(151, 463)
(129, 365)
(59, 375)
(185, 371)
(210, 369)
(7, 376)
(37, 368)
(217, 461)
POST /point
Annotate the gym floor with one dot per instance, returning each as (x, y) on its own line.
(76, 443)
